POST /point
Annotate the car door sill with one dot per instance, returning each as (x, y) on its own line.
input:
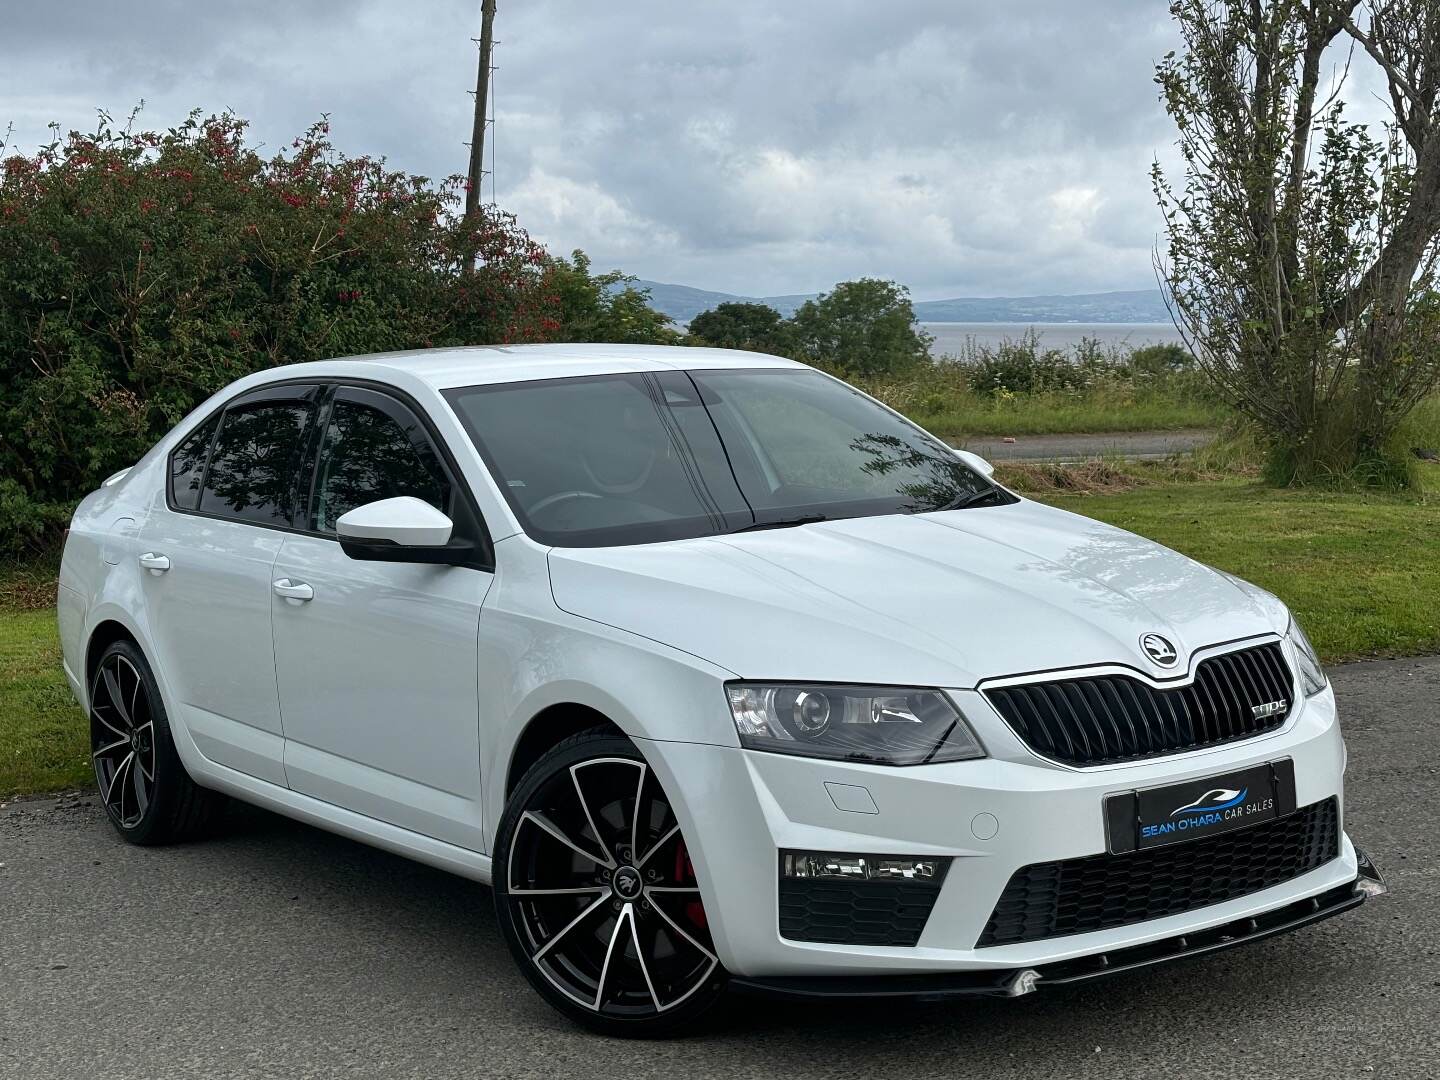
(367, 830)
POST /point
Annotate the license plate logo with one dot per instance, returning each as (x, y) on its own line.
(1215, 801)
(1199, 808)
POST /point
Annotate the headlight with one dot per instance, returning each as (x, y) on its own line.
(878, 724)
(1312, 676)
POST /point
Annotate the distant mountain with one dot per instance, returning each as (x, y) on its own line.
(682, 303)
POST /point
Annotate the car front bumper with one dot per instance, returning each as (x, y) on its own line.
(990, 817)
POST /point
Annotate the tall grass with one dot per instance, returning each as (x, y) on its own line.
(1020, 387)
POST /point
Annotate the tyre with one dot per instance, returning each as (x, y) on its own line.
(147, 794)
(596, 894)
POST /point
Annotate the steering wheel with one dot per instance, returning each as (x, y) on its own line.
(623, 487)
(559, 497)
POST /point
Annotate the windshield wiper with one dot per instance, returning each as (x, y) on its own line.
(784, 523)
(975, 498)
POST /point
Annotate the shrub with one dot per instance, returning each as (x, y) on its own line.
(742, 325)
(604, 307)
(141, 271)
(865, 327)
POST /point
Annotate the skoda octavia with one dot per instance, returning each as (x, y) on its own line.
(721, 673)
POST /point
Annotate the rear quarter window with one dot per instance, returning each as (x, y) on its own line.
(187, 465)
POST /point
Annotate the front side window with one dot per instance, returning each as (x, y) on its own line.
(255, 464)
(637, 458)
(374, 448)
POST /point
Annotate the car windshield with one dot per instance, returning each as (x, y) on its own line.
(640, 457)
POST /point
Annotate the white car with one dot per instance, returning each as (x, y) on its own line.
(720, 672)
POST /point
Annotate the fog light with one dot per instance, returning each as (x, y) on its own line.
(837, 866)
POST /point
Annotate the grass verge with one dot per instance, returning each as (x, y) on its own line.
(43, 741)
(1053, 414)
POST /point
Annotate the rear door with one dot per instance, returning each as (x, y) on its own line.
(234, 482)
(378, 666)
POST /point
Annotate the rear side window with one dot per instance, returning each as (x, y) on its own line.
(187, 465)
(374, 448)
(254, 467)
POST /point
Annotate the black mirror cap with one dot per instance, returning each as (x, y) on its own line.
(455, 553)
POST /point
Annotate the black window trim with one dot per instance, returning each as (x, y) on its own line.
(327, 386)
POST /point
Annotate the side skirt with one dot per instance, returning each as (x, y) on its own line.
(380, 834)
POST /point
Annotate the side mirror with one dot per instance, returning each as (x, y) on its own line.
(976, 462)
(403, 529)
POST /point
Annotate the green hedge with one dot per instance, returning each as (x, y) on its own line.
(142, 271)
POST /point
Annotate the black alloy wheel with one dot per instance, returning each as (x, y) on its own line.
(597, 895)
(146, 792)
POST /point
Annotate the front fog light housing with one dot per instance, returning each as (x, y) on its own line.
(878, 725)
(1312, 675)
(837, 866)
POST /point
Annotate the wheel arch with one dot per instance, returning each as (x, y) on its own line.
(109, 623)
(102, 636)
(550, 726)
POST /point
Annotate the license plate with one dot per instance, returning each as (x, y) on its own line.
(1199, 808)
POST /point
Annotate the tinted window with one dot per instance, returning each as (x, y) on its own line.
(374, 448)
(253, 468)
(187, 465)
(635, 458)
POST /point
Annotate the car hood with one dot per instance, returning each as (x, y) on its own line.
(945, 599)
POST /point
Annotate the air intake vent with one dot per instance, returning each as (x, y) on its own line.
(1099, 892)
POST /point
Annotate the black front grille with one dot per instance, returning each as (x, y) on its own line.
(1109, 718)
(1078, 896)
(855, 912)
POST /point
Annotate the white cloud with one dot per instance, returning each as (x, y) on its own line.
(735, 144)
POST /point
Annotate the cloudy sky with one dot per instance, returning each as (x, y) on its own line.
(963, 147)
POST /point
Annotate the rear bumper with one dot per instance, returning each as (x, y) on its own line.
(1015, 982)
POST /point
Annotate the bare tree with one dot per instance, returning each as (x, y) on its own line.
(1300, 246)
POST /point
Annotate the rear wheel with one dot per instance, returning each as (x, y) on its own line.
(147, 794)
(597, 896)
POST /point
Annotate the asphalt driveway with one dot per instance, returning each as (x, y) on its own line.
(1131, 445)
(281, 951)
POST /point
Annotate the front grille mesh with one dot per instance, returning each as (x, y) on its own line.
(855, 912)
(1078, 896)
(1104, 719)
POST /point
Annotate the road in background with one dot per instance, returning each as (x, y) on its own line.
(1131, 445)
(277, 950)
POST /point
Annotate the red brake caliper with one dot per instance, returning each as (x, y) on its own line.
(685, 875)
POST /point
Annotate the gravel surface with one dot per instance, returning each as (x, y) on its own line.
(277, 950)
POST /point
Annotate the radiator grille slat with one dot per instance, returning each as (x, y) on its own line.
(1100, 892)
(1099, 720)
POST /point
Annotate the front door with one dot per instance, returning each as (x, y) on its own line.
(377, 663)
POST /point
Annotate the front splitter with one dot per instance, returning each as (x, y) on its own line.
(1014, 982)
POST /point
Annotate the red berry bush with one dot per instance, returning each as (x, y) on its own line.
(140, 271)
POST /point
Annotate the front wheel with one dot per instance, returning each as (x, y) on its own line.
(596, 894)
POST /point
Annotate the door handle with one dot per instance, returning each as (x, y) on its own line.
(155, 562)
(296, 591)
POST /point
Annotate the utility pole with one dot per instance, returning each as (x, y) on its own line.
(482, 89)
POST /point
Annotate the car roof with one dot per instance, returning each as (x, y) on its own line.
(481, 364)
